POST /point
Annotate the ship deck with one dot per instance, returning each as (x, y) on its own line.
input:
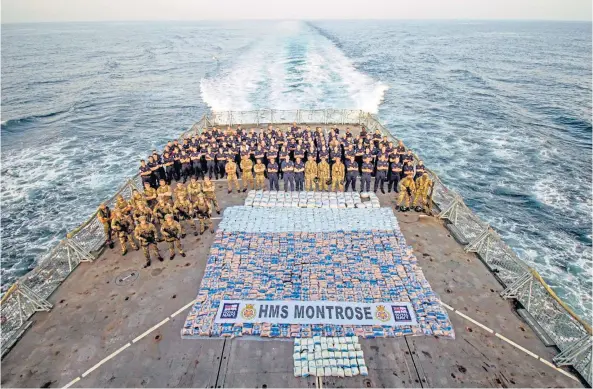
(93, 318)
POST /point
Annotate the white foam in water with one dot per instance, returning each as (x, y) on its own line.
(319, 75)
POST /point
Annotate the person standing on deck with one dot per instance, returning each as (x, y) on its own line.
(299, 173)
(194, 188)
(220, 162)
(337, 175)
(367, 171)
(423, 184)
(231, 172)
(145, 173)
(210, 194)
(196, 160)
(382, 166)
(260, 175)
(273, 174)
(182, 210)
(351, 173)
(123, 228)
(323, 173)
(210, 163)
(288, 172)
(310, 172)
(171, 230)
(247, 168)
(146, 234)
(203, 212)
(104, 217)
(420, 169)
(407, 187)
(395, 175)
(185, 160)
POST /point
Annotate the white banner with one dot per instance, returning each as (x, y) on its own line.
(315, 312)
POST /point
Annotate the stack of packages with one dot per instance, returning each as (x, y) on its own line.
(302, 254)
(325, 357)
(311, 199)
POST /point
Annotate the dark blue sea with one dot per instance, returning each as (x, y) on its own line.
(500, 110)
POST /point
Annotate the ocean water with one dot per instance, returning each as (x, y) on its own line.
(500, 110)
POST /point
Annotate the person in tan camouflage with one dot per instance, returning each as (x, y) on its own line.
(183, 209)
(310, 174)
(146, 234)
(104, 217)
(323, 175)
(231, 172)
(123, 228)
(137, 199)
(338, 172)
(407, 187)
(150, 195)
(123, 206)
(247, 168)
(210, 194)
(203, 213)
(180, 191)
(142, 210)
(260, 178)
(193, 189)
(171, 230)
(164, 190)
(162, 209)
(423, 184)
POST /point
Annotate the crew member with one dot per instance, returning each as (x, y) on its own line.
(247, 169)
(203, 212)
(299, 171)
(367, 171)
(323, 173)
(288, 172)
(146, 234)
(423, 184)
(183, 210)
(311, 171)
(122, 226)
(273, 174)
(164, 191)
(406, 190)
(337, 175)
(145, 172)
(104, 216)
(382, 166)
(395, 174)
(171, 230)
(231, 173)
(351, 173)
(150, 195)
(210, 194)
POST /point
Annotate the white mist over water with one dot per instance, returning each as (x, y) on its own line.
(293, 66)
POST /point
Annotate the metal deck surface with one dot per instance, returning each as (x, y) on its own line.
(93, 317)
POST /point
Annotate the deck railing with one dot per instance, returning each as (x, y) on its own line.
(567, 331)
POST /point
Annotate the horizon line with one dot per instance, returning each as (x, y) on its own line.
(303, 19)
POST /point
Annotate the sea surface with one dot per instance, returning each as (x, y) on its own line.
(500, 110)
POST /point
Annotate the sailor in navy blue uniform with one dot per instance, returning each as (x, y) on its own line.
(210, 164)
(381, 176)
(176, 153)
(273, 173)
(260, 153)
(288, 174)
(146, 172)
(367, 171)
(299, 174)
(220, 162)
(395, 174)
(185, 160)
(351, 173)
(408, 169)
(196, 160)
(420, 169)
(408, 157)
(168, 162)
(299, 152)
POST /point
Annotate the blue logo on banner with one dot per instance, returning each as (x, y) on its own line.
(401, 313)
(230, 311)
